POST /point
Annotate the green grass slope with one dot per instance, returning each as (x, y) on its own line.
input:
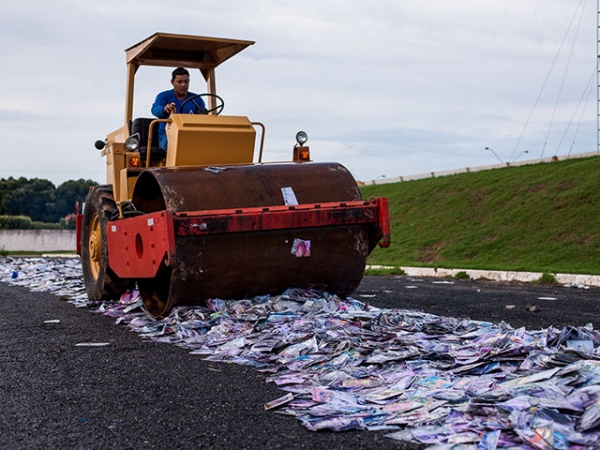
(541, 217)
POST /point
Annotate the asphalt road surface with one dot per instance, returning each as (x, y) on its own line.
(136, 394)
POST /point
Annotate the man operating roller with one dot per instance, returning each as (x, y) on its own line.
(168, 102)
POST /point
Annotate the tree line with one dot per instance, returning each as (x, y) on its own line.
(39, 199)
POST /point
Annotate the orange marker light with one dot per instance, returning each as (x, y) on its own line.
(304, 154)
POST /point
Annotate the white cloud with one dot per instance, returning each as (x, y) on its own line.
(385, 87)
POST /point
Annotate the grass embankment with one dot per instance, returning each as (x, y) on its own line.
(541, 217)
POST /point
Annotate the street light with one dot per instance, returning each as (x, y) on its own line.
(492, 150)
(377, 178)
(520, 154)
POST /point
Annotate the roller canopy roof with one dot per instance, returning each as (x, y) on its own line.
(204, 53)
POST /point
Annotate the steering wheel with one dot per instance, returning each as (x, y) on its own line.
(218, 109)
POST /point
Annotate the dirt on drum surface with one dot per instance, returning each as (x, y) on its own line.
(74, 379)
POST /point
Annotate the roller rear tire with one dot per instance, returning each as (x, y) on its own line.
(101, 283)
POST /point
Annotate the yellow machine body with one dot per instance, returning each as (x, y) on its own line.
(199, 140)
(207, 140)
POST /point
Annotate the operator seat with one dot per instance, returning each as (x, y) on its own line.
(141, 125)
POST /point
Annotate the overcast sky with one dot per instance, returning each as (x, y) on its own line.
(385, 87)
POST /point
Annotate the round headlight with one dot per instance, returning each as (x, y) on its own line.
(132, 143)
(301, 137)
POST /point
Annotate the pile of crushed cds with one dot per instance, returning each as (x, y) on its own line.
(344, 364)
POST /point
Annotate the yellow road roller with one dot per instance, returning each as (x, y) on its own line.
(209, 218)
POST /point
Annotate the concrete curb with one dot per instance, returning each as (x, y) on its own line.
(37, 240)
(527, 277)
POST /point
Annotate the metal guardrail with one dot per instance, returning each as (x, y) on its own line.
(444, 173)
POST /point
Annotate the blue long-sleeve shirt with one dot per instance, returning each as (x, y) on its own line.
(158, 110)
